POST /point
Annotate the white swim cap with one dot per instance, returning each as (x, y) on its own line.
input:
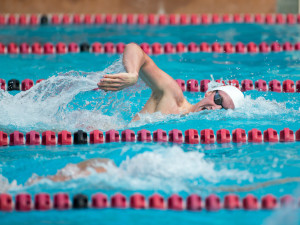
(234, 93)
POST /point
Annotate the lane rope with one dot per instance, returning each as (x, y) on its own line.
(191, 85)
(155, 48)
(190, 136)
(194, 202)
(146, 19)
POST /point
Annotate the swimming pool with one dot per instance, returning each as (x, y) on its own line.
(65, 102)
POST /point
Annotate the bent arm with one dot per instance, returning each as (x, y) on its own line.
(136, 63)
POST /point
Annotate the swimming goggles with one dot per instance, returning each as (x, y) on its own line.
(218, 98)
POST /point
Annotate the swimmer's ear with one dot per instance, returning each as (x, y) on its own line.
(208, 93)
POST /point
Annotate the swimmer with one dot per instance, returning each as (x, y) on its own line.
(97, 165)
(166, 96)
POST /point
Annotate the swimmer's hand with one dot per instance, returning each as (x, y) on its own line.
(117, 82)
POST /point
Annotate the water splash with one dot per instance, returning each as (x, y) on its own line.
(169, 169)
(67, 101)
(5, 185)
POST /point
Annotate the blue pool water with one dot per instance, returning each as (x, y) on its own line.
(65, 101)
(126, 33)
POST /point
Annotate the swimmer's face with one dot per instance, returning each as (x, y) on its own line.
(215, 100)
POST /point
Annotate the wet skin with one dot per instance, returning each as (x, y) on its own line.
(166, 96)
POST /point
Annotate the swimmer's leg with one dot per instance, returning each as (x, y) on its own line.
(78, 170)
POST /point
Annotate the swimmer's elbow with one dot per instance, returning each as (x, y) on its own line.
(131, 46)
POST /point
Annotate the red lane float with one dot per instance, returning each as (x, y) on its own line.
(275, 85)
(232, 201)
(240, 48)
(3, 139)
(286, 135)
(144, 135)
(61, 48)
(239, 136)
(252, 47)
(26, 84)
(120, 48)
(99, 201)
(250, 202)
(192, 85)
(193, 47)
(42, 201)
(61, 201)
(6, 202)
(16, 138)
(128, 136)
(137, 201)
(97, 47)
(64, 138)
(109, 48)
(175, 202)
(33, 138)
(268, 202)
(247, 85)
(160, 136)
(97, 137)
(270, 135)
(49, 48)
(12, 48)
(223, 136)
(261, 85)
(204, 85)
(176, 136)
(24, 48)
(48, 138)
(255, 136)
(156, 201)
(118, 201)
(191, 136)
(87, 19)
(36, 48)
(207, 136)
(264, 47)
(212, 203)
(73, 47)
(288, 86)
(23, 202)
(157, 48)
(194, 202)
(112, 136)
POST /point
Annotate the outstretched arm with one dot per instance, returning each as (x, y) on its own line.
(136, 63)
(71, 171)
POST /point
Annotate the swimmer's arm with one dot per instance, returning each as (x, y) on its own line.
(136, 62)
(82, 170)
(133, 60)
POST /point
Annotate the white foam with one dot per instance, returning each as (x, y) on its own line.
(5, 185)
(165, 168)
(52, 104)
